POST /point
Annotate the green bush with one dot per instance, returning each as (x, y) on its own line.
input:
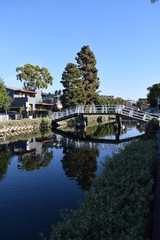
(119, 206)
(156, 124)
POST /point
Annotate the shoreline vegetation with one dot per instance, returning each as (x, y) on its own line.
(120, 204)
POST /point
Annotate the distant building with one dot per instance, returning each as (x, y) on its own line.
(53, 98)
(130, 103)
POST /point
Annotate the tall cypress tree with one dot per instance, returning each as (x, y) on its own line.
(73, 92)
(87, 66)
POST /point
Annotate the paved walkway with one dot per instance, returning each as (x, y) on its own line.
(156, 224)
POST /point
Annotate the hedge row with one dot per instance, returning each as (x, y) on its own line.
(119, 205)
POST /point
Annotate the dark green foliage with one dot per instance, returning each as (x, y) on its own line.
(34, 77)
(74, 92)
(99, 100)
(155, 124)
(80, 82)
(5, 155)
(154, 93)
(118, 206)
(87, 65)
(5, 100)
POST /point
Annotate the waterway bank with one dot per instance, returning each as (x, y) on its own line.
(20, 127)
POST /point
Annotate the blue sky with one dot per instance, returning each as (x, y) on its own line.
(124, 36)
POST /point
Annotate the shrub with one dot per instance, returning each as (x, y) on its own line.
(119, 205)
(156, 124)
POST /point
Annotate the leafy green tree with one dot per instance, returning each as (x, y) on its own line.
(99, 100)
(154, 93)
(87, 66)
(74, 92)
(34, 77)
(5, 100)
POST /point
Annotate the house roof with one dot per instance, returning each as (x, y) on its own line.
(45, 104)
(21, 90)
(25, 91)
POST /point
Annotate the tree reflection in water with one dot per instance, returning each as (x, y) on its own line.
(5, 155)
(33, 161)
(81, 165)
(102, 130)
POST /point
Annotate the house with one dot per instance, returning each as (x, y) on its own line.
(31, 100)
(53, 98)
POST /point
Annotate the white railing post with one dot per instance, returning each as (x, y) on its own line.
(94, 109)
(144, 117)
(77, 109)
(56, 115)
(106, 109)
(131, 113)
(90, 109)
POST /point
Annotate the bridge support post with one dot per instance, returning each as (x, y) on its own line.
(118, 121)
(118, 127)
(81, 123)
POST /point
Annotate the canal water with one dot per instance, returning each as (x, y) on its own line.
(41, 175)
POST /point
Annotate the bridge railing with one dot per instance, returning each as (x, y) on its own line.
(64, 113)
(102, 109)
(135, 113)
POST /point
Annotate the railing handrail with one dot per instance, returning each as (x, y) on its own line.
(102, 109)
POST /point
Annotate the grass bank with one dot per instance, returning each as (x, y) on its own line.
(35, 123)
(120, 203)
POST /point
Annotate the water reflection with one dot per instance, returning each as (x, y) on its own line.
(79, 160)
(100, 131)
(79, 157)
(80, 165)
(47, 173)
(30, 161)
(5, 155)
(110, 132)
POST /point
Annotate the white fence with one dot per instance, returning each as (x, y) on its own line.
(4, 117)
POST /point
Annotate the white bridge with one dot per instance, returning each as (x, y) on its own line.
(118, 110)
